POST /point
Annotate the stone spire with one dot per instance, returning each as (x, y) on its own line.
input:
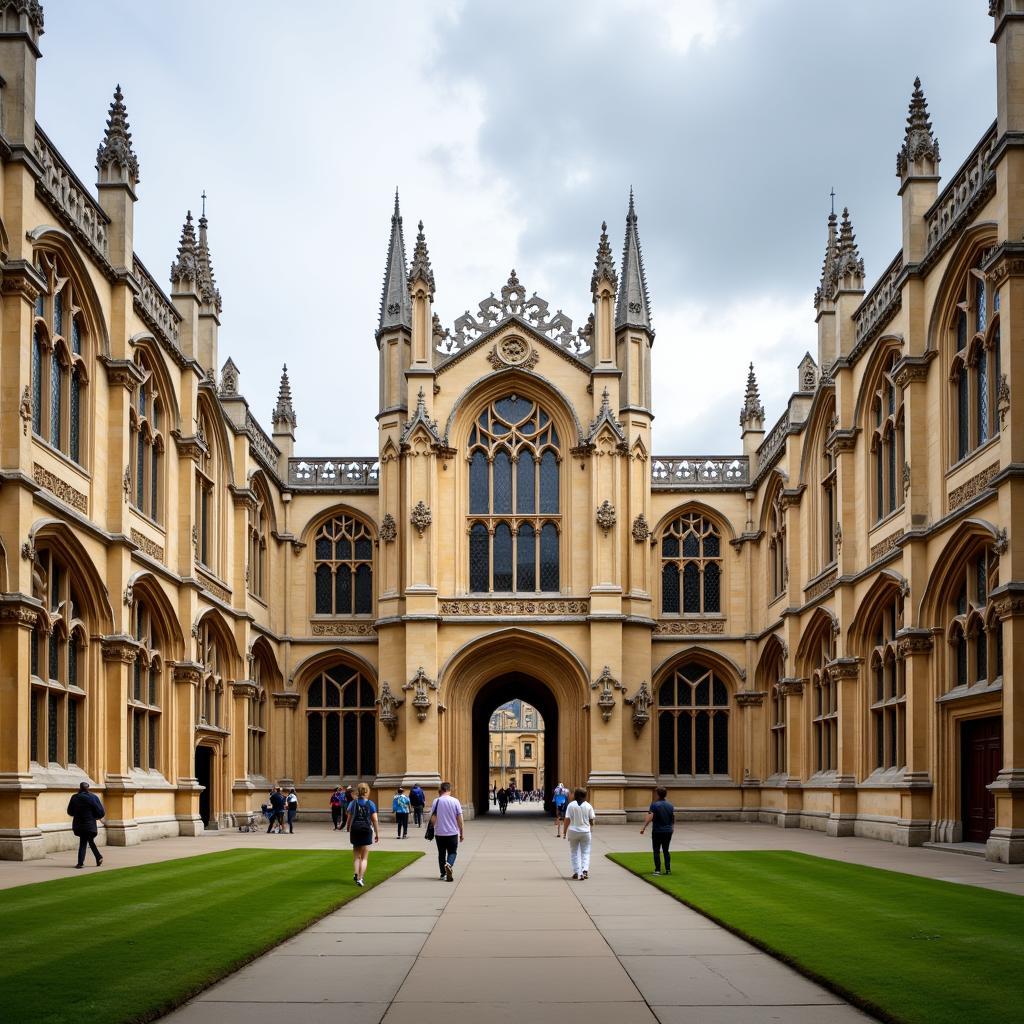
(395, 308)
(186, 266)
(826, 285)
(604, 265)
(419, 269)
(284, 413)
(634, 307)
(919, 153)
(849, 265)
(207, 283)
(752, 412)
(115, 158)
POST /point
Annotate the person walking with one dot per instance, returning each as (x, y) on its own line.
(446, 819)
(337, 807)
(276, 811)
(576, 825)
(560, 797)
(363, 831)
(292, 804)
(85, 810)
(662, 815)
(503, 799)
(417, 798)
(401, 805)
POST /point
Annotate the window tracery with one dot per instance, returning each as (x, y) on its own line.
(691, 566)
(258, 531)
(257, 718)
(827, 477)
(210, 693)
(206, 497)
(824, 702)
(693, 723)
(341, 726)
(974, 629)
(343, 567)
(514, 499)
(776, 546)
(144, 697)
(888, 688)
(777, 716)
(887, 441)
(146, 421)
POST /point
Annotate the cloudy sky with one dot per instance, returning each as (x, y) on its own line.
(512, 130)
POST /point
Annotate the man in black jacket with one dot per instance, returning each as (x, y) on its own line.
(85, 810)
(276, 810)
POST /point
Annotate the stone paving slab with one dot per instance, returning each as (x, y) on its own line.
(674, 941)
(519, 1012)
(760, 1015)
(275, 1013)
(352, 944)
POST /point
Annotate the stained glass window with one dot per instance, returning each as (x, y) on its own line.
(343, 553)
(502, 557)
(341, 725)
(699, 566)
(693, 723)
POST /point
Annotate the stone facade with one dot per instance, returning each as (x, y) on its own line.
(820, 630)
(516, 747)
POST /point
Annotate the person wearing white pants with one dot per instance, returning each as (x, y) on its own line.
(576, 826)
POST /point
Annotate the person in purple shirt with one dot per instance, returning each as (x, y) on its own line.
(446, 817)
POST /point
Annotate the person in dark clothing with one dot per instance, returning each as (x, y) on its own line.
(418, 800)
(276, 810)
(292, 803)
(503, 800)
(661, 815)
(85, 810)
(337, 806)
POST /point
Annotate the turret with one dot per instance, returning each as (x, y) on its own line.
(917, 167)
(209, 297)
(751, 417)
(634, 334)
(184, 288)
(824, 296)
(117, 168)
(21, 25)
(284, 421)
(421, 294)
(394, 327)
(603, 284)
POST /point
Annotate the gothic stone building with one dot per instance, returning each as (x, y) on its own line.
(823, 630)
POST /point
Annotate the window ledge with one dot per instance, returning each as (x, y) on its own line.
(982, 689)
(58, 454)
(213, 730)
(885, 778)
(149, 778)
(55, 776)
(887, 519)
(148, 520)
(972, 455)
(698, 781)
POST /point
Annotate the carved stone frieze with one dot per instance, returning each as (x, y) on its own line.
(286, 699)
(750, 698)
(689, 627)
(147, 546)
(190, 672)
(342, 629)
(913, 641)
(192, 447)
(883, 547)
(59, 488)
(821, 586)
(606, 683)
(791, 686)
(516, 606)
(119, 648)
(20, 612)
(844, 668)
(213, 586)
(244, 688)
(513, 351)
(971, 488)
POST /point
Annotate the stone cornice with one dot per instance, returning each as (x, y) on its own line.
(119, 647)
(750, 698)
(288, 699)
(189, 672)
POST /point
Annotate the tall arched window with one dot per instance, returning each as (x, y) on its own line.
(144, 697)
(827, 474)
(58, 666)
(146, 423)
(775, 671)
(974, 631)
(210, 694)
(258, 532)
(59, 366)
(206, 498)
(776, 546)
(257, 720)
(514, 499)
(691, 566)
(693, 723)
(975, 371)
(343, 567)
(824, 701)
(888, 687)
(341, 725)
(887, 446)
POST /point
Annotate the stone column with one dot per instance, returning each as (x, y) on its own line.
(792, 688)
(119, 654)
(847, 673)
(914, 647)
(187, 677)
(1006, 841)
(752, 750)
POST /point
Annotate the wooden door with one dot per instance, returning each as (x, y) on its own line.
(981, 760)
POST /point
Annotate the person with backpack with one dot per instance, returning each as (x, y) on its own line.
(576, 826)
(337, 806)
(662, 815)
(292, 803)
(400, 805)
(446, 823)
(363, 831)
(418, 800)
(560, 797)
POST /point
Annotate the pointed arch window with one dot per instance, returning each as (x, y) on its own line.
(145, 693)
(691, 567)
(829, 521)
(206, 498)
(146, 422)
(693, 723)
(777, 546)
(341, 725)
(887, 441)
(257, 718)
(59, 367)
(888, 688)
(974, 630)
(258, 531)
(514, 499)
(343, 567)
(824, 703)
(777, 714)
(58, 665)
(975, 369)
(210, 693)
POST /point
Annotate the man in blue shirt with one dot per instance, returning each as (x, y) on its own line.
(561, 798)
(401, 805)
(662, 815)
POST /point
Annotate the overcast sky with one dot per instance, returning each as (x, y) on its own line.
(512, 131)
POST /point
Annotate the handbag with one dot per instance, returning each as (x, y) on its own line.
(428, 832)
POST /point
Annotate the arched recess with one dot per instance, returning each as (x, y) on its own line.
(969, 534)
(879, 592)
(807, 654)
(230, 655)
(145, 342)
(145, 585)
(771, 670)
(5, 242)
(729, 667)
(976, 236)
(265, 677)
(547, 665)
(692, 568)
(886, 344)
(341, 563)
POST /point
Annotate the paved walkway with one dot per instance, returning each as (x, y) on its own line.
(513, 941)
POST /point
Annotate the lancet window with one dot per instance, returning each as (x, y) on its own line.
(146, 424)
(343, 567)
(257, 719)
(59, 366)
(887, 445)
(210, 694)
(829, 547)
(144, 696)
(888, 688)
(974, 629)
(776, 546)
(777, 713)
(514, 499)
(824, 703)
(58, 665)
(257, 555)
(693, 723)
(341, 725)
(976, 367)
(206, 510)
(691, 566)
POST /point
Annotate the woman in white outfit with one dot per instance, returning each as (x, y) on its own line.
(576, 825)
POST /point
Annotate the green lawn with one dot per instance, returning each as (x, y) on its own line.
(128, 945)
(907, 949)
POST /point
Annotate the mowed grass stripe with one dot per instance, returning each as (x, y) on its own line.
(142, 940)
(908, 949)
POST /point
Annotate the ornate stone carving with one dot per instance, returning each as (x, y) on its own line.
(420, 269)
(837, 533)
(641, 702)
(115, 152)
(388, 529)
(750, 698)
(791, 687)
(420, 517)
(919, 143)
(129, 594)
(342, 629)
(752, 411)
(605, 516)
(28, 552)
(880, 305)
(515, 606)
(844, 668)
(906, 478)
(420, 683)
(126, 483)
(25, 410)
(904, 588)
(607, 684)
(147, 546)
(689, 627)
(604, 264)
(1002, 399)
(119, 648)
(21, 614)
(883, 547)
(188, 672)
(821, 586)
(283, 414)
(913, 641)
(641, 530)
(513, 351)
(213, 586)
(59, 488)
(1002, 542)
(229, 379)
(698, 473)
(971, 488)
(286, 699)
(186, 266)
(388, 704)
(156, 309)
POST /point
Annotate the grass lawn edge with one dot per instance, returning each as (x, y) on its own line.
(827, 983)
(236, 965)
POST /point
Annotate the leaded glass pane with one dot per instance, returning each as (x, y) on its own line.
(75, 412)
(720, 743)
(56, 400)
(54, 660)
(667, 693)
(502, 557)
(526, 500)
(526, 558)
(997, 627)
(879, 482)
(719, 694)
(961, 331)
(367, 746)
(323, 590)
(669, 588)
(963, 412)
(691, 545)
(58, 313)
(982, 403)
(670, 546)
(712, 587)
(314, 742)
(137, 740)
(684, 741)
(152, 746)
(51, 726)
(981, 644)
(143, 399)
(364, 590)
(548, 482)
(343, 590)
(37, 699)
(343, 548)
(154, 479)
(154, 680)
(478, 486)
(350, 744)
(961, 660)
(712, 545)
(890, 452)
(692, 673)
(72, 663)
(137, 679)
(502, 483)
(364, 548)
(333, 745)
(323, 548)
(37, 383)
(549, 558)
(691, 587)
(980, 575)
(40, 303)
(76, 338)
(979, 305)
(702, 693)
(513, 408)
(479, 560)
(140, 471)
(666, 744)
(73, 706)
(315, 699)
(365, 694)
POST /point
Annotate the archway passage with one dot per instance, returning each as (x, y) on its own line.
(500, 690)
(204, 776)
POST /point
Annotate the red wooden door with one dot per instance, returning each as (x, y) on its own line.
(982, 757)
